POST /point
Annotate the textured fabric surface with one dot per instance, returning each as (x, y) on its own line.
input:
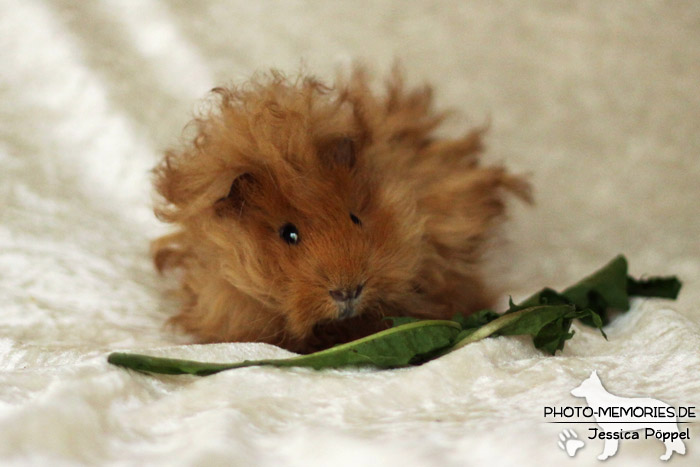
(598, 101)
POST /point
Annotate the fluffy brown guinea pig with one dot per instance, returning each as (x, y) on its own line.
(307, 213)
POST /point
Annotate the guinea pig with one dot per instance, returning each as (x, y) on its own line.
(308, 213)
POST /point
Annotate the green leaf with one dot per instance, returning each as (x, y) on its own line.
(551, 337)
(662, 287)
(404, 345)
(475, 320)
(608, 288)
(545, 296)
(547, 315)
(168, 366)
(604, 289)
(609, 283)
(547, 324)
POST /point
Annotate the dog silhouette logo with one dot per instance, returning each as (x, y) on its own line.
(622, 417)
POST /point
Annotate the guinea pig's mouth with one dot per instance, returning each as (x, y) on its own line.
(347, 301)
(347, 310)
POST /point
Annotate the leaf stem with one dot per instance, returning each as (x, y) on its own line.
(495, 325)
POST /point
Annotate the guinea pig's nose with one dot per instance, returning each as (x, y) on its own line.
(345, 295)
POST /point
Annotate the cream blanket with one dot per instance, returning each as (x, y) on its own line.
(598, 101)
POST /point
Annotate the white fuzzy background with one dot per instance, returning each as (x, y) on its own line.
(598, 100)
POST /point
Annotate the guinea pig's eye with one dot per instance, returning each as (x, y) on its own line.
(290, 234)
(355, 219)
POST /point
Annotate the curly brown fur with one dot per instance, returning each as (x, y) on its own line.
(278, 151)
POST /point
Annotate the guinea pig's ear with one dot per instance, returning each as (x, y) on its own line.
(340, 151)
(240, 193)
